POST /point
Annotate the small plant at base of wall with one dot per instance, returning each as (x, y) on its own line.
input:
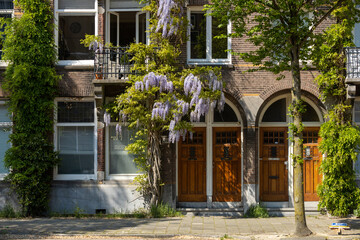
(256, 211)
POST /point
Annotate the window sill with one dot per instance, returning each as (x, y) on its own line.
(3, 64)
(75, 64)
(220, 64)
(73, 177)
(121, 177)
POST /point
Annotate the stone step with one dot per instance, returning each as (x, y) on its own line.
(287, 212)
(234, 212)
(238, 212)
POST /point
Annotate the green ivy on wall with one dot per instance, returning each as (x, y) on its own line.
(31, 81)
(338, 192)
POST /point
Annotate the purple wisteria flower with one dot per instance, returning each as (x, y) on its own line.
(107, 119)
(166, 14)
(153, 80)
(118, 130)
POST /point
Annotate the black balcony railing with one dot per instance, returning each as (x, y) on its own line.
(352, 64)
(113, 64)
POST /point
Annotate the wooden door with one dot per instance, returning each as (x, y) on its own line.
(227, 164)
(273, 164)
(192, 167)
(312, 161)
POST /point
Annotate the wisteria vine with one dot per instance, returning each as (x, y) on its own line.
(197, 107)
(166, 21)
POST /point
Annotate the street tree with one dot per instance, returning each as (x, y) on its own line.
(284, 32)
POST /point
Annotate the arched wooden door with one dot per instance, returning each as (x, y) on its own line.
(273, 164)
(192, 167)
(312, 161)
(226, 164)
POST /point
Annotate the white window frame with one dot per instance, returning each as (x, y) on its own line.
(81, 124)
(208, 60)
(4, 124)
(122, 176)
(5, 11)
(117, 12)
(357, 174)
(74, 12)
(108, 176)
(357, 100)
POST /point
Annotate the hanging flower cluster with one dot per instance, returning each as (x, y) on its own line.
(153, 80)
(118, 130)
(96, 46)
(165, 19)
(192, 88)
(107, 118)
(160, 110)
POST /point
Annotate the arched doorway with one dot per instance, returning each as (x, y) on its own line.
(209, 165)
(275, 163)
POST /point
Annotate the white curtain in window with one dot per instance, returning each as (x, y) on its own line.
(76, 146)
(76, 4)
(116, 4)
(121, 161)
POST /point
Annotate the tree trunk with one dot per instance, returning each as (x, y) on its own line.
(301, 228)
(154, 161)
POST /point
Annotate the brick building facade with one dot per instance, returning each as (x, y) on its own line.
(96, 172)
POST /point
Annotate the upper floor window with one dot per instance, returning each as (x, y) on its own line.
(126, 27)
(204, 46)
(75, 18)
(6, 11)
(75, 140)
(6, 8)
(5, 130)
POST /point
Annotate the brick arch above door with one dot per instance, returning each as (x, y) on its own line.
(284, 85)
(309, 97)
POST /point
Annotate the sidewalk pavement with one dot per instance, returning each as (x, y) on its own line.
(187, 227)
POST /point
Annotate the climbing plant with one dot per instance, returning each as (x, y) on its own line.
(163, 98)
(31, 81)
(340, 139)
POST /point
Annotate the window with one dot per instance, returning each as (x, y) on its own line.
(75, 18)
(278, 110)
(356, 114)
(126, 26)
(75, 140)
(227, 115)
(203, 45)
(357, 167)
(6, 11)
(5, 130)
(119, 162)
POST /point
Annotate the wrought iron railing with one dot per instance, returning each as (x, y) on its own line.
(352, 63)
(112, 63)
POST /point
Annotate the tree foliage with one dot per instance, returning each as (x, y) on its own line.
(31, 80)
(340, 140)
(283, 32)
(163, 98)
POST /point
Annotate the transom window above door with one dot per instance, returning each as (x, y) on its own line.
(277, 112)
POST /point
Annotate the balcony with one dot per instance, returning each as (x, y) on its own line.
(112, 65)
(352, 65)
